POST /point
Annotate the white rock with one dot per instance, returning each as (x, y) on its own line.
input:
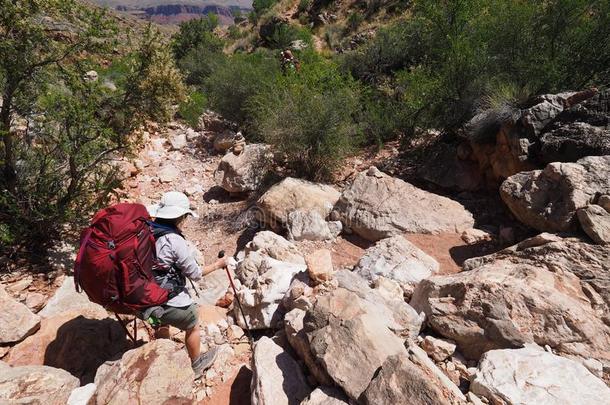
(82, 395)
(438, 349)
(168, 174)
(67, 299)
(533, 376)
(308, 225)
(16, 321)
(277, 378)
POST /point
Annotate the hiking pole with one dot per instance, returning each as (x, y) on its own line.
(221, 254)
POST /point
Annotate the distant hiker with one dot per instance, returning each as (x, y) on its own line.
(289, 62)
(176, 264)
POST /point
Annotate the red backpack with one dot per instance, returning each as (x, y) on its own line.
(115, 260)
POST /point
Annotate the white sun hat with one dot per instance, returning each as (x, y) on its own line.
(173, 204)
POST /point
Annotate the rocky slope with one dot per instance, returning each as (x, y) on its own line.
(357, 292)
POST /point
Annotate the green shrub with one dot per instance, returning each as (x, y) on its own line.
(308, 118)
(238, 78)
(195, 33)
(303, 6)
(260, 6)
(191, 109)
(354, 20)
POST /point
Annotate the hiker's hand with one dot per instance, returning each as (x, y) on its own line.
(231, 263)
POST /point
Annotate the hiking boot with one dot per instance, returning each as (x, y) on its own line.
(203, 362)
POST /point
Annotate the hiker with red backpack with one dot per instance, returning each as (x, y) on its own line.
(132, 265)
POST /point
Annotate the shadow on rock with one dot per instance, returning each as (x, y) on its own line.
(82, 345)
(240, 389)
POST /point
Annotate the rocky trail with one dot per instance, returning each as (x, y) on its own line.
(367, 291)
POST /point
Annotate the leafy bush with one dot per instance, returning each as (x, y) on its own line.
(191, 109)
(63, 167)
(309, 119)
(195, 33)
(260, 6)
(354, 20)
(447, 56)
(303, 6)
(236, 79)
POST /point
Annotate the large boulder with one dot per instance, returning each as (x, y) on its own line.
(449, 167)
(506, 305)
(225, 140)
(326, 396)
(534, 376)
(339, 321)
(595, 221)
(397, 259)
(295, 194)
(548, 199)
(264, 283)
(66, 299)
(244, 172)
(277, 378)
(376, 206)
(397, 315)
(309, 225)
(276, 247)
(72, 342)
(574, 141)
(400, 381)
(590, 263)
(35, 385)
(157, 373)
(16, 320)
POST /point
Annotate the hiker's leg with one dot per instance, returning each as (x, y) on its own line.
(193, 342)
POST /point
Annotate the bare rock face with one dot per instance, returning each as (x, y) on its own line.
(590, 263)
(294, 194)
(156, 373)
(506, 305)
(225, 140)
(338, 322)
(244, 172)
(326, 396)
(265, 282)
(574, 141)
(276, 247)
(400, 381)
(277, 378)
(595, 221)
(309, 225)
(377, 206)
(35, 385)
(320, 266)
(534, 376)
(66, 299)
(547, 200)
(397, 259)
(16, 320)
(72, 342)
(438, 349)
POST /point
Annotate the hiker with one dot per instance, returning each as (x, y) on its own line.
(176, 264)
(289, 62)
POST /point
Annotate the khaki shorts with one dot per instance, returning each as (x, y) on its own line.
(183, 318)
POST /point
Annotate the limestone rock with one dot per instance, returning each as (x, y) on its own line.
(66, 299)
(548, 199)
(534, 376)
(506, 305)
(71, 342)
(590, 263)
(16, 320)
(337, 322)
(309, 225)
(474, 236)
(156, 373)
(224, 140)
(178, 141)
(276, 247)
(326, 396)
(168, 174)
(296, 336)
(35, 301)
(277, 378)
(397, 259)
(244, 172)
(265, 282)
(397, 315)
(82, 395)
(320, 265)
(376, 206)
(35, 385)
(438, 349)
(295, 194)
(595, 221)
(400, 381)
(389, 289)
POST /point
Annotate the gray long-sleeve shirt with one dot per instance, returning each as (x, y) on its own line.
(172, 249)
